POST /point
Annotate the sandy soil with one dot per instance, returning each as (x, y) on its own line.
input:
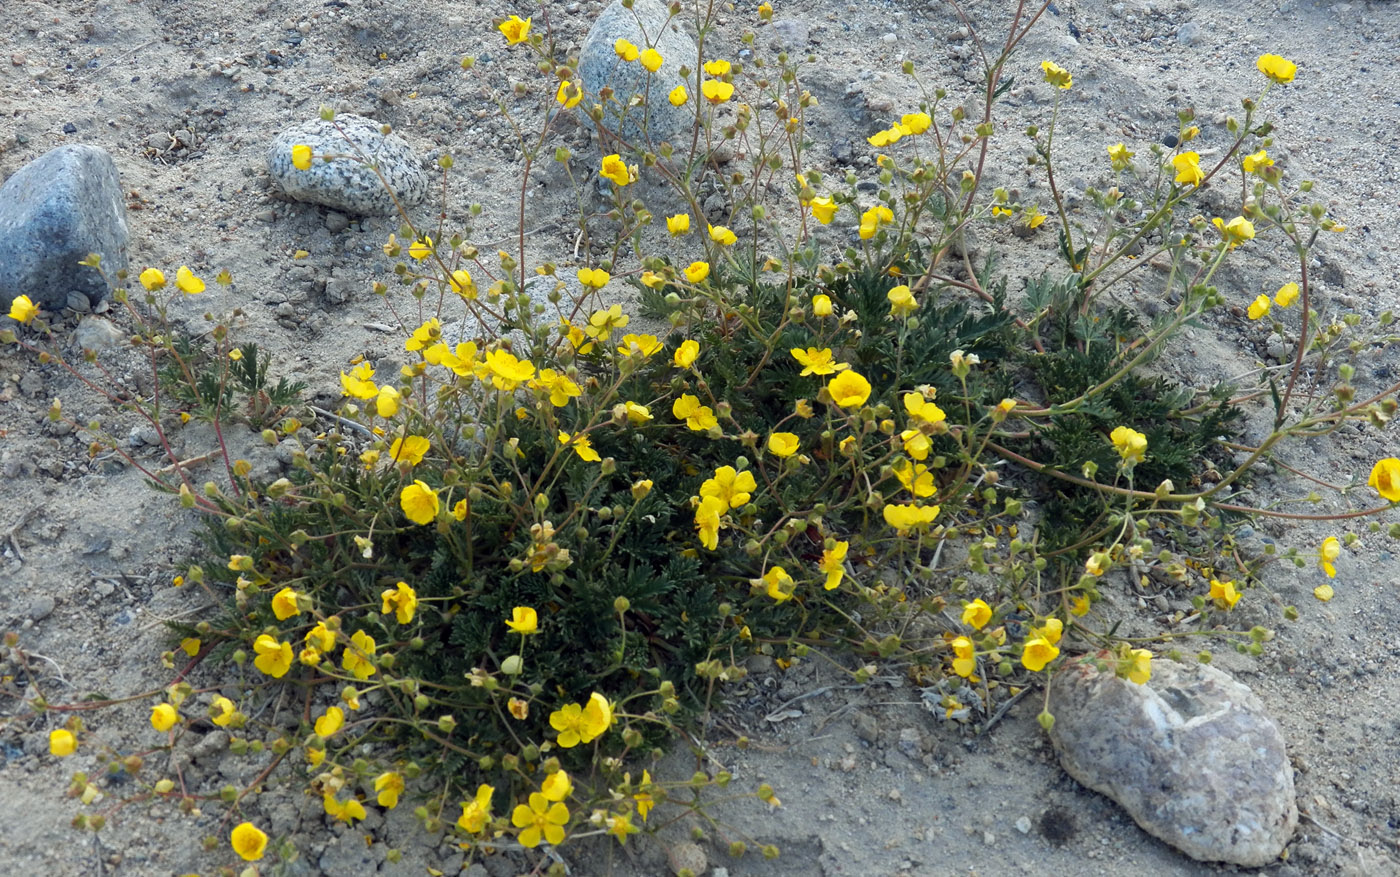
(185, 95)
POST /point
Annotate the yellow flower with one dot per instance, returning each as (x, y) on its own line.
(917, 123)
(328, 724)
(301, 157)
(817, 362)
(1259, 307)
(557, 786)
(783, 444)
(641, 346)
(686, 354)
(1280, 70)
(872, 219)
(722, 235)
(964, 656)
(779, 584)
(1034, 218)
(477, 812)
(1188, 169)
(582, 446)
(248, 841)
(401, 600)
(507, 372)
(823, 208)
(1385, 478)
(615, 169)
(1286, 294)
(696, 416)
(409, 449)
(1235, 232)
(626, 50)
(190, 645)
(678, 96)
(321, 637)
(887, 136)
(976, 614)
(916, 478)
(273, 657)
(833, 563)
(348, 812)
(849, 389)
(164, 716)
(355, 659)
(1080, 605)
(1224, 594)
(188, 283)
(717, 92)
(1327, 555)
(916, 444)
(566, 721)
(707, 520)
(821, 305)
(1139, 666)
(284, 604)
(62, 742)
(540, 819)
(515, 30)
(568, 94)
(636, 414)
(597, 717)
(1050, 631)
(523, 620)
(733, 488)
(1121, 158)
(419, 502)
(620, 826)
(678, 224)
(152, 279)
(643, 797)
(1056, 75)
(921, 409)
(697, 272)
(594, 278)
(388, 787)
(559, 387)
(386, 404)
(358, 383)
(1037, 653)
(717, 67)
(651, 59)
(1255, 163)
(909, 515)
(1131, 444)
(1323, 592)
(421, 248)
(222, 712)
(902, 301)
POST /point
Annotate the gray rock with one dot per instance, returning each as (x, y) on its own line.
(1189, 34)
(644, 25)
(42, 607)
(791, 33)
(348, 854)
(1191, 756)
(54, 211)
(347, 183)
(95, 333)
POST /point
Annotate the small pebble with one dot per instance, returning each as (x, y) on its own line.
(1023, 825)
(41, 607)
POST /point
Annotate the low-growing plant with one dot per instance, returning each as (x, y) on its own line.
(500, 577)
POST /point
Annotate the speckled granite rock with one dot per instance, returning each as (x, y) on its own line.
(346, 183)
(644, 25)
(54, 211)
(1191, 756)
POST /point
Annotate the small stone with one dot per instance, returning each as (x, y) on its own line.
(1023, 825)
(79, 302)
(265, 215)
(687, 857)
(889, 38)
(17, 60)
(867, 728)
(345, 183)
(598, 66)
(336, 222)
(95, 333)
(42, 607)
(70, 128)
(1191, 755)
(791, 33)
(54, 211)
(1189, 34)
